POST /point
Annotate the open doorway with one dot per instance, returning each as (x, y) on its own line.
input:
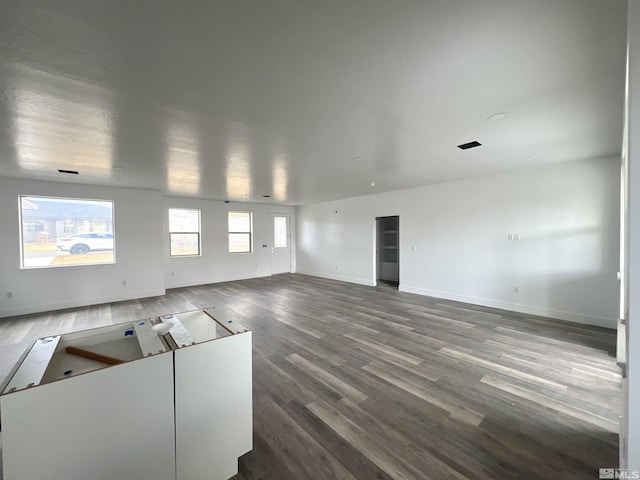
(387, 251)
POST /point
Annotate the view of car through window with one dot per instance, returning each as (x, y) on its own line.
(86, 242)
(65, 231)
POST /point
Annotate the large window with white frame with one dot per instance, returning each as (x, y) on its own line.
(184, 232)
(60, 232)
(240, 232)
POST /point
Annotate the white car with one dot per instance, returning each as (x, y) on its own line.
(86, 242)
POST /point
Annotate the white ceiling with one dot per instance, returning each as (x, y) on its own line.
(305, 100)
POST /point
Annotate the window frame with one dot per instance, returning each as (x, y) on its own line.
(198, 233)
(287, 236)
(21, 231)
(233, 232)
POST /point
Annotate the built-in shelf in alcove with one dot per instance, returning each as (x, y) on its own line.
(387, 264)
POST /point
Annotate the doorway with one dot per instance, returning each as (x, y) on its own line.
(387, 251)
(280, 227)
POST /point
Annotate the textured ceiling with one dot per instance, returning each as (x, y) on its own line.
(305, 100)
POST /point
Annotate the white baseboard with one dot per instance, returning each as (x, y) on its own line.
(516, 307)
(526, 309)
(359, 281)
(45, 307)
(207, 281)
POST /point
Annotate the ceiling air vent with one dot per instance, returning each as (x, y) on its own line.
(70, 172)
(466, 146)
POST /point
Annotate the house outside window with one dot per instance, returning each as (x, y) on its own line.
(240, 232)
(184, 232)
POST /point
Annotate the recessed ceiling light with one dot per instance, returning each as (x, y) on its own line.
(468, 145)
(357, 159)
(372, 184)
(497, 116)
(531, 157)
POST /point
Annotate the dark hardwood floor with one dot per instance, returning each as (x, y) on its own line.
(355, 382)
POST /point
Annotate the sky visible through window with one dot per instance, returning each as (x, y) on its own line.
(240, 232)
(58, 232)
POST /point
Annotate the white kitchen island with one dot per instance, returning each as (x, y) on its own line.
(178, 407)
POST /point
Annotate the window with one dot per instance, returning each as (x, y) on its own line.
(240, 227)
(280, 232)
(184, 232)
(58, 232)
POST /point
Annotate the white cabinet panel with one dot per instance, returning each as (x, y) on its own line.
(112, 423)
(179, 407)
(214, 421)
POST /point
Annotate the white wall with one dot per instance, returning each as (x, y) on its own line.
(630, 446)
(216, 264)
(138, 228)
(142, 250)
(564, 265)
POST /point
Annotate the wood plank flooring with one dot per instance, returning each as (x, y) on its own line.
(355, 382)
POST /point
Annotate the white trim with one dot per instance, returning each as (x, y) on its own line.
(374, 278)
(359, 281)
(207, 281)
(515, 307)
(45, 307)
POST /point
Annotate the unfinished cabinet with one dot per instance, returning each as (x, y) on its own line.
(162, 398)
(213, 403)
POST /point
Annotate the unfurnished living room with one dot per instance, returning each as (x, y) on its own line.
(319, 239)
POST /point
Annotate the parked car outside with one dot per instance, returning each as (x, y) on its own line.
(86, 242)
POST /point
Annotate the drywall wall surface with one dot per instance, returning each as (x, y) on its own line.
(138, 240)
(215, 263)
(143, 265)
(458, 240)
(630, 431)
